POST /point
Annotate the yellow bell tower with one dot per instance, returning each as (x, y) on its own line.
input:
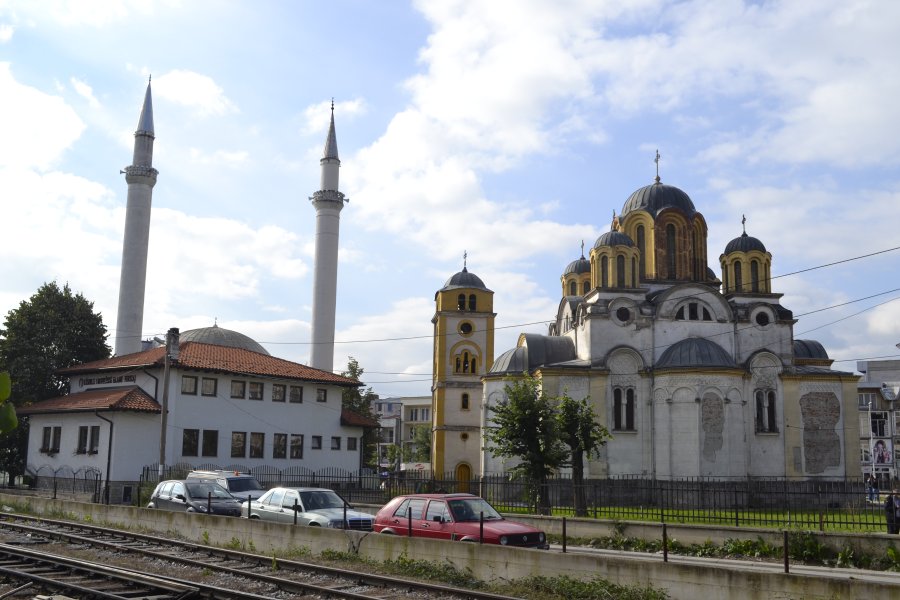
(463, 353)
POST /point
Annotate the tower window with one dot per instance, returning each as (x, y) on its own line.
(604, 271)
(471, 301)
(620, 271)
(633, 273)
(461, 302)
(573, 288)
(464, 404)
(642, 249)
(738, 278)
(623, 409)
(670, 251)
(754, 276)
(586, 287)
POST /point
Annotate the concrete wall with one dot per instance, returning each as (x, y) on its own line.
(710, 581)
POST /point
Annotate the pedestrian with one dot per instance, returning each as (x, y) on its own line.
(892, 510)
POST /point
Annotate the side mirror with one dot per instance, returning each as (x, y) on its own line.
(438, 519)
(179, 497)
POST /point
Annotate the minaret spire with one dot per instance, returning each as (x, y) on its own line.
(328, 202)
(141, 177)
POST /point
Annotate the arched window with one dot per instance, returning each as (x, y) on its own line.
(464, 405)
(573, 288)
(604, 271)
(617, 408)
(465, 364)
(471, 301)
(725, 278)
(458, 364)
(629, 409)
(461, 302)
(474, 370)
(738, 279)
(620, 271)
(586, 287)
(670, 251)
(765, 411)
(754, 276)
(642, 249)
(633, 273)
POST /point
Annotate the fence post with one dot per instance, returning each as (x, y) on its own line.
(665, 544)
(787, 567)
(737, 518)
(564, 534)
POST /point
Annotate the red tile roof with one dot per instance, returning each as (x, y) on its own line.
(220, 359)
(130, 398)
(354, 419)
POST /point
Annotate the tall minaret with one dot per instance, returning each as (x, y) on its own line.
(328, 202)
(141, 177)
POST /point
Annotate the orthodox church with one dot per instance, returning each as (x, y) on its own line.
(693, 374)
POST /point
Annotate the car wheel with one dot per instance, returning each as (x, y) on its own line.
(314, 525)
(254, 517)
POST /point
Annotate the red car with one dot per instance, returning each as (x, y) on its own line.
(454, 517)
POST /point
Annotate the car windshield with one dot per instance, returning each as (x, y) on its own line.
(470, 509)
(321, 499)
(203, 490)
(247, 484)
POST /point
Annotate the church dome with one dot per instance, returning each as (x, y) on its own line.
(744, 243)
(695, 352)
(218, 336)
(578, 267)
(613, 238)
(464, 279)
(809, 349)
(655, 197)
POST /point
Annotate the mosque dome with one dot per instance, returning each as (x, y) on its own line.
(464, 279)
(744, 243)
(695, 352)
(613, 238)
(578, 267)
(657, 196)
(218, 336)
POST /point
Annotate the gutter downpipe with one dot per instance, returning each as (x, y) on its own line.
(108, 456)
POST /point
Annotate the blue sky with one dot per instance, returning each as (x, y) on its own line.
(511, 130)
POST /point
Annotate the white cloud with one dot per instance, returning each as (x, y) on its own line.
(193, 90)
(232, 158)
(37, 127)
(85, 91)
(6, 32)
(318, 116)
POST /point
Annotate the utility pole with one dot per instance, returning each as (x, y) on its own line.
(172, 353)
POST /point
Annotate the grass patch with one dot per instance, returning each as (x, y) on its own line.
(430, 571)
(567, 588)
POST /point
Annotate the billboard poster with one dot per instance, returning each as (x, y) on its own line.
(882, 451)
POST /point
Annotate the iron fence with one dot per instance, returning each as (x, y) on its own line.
(824, 504)
(83, 484)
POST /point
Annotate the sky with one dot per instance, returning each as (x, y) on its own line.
(509, 130)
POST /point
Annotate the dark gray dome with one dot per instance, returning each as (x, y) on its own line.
(464, 279)
(613, 238)
(745, 243)
(582, 265)
(534, 351)
(809, 349)
(217, 336)
(695, 352)
(511, 361)
(656, 197)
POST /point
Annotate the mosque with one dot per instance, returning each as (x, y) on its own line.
(693, 374)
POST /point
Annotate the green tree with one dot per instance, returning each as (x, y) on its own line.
(421, 445)
(360, 402)
(52, 330)
(584, 436)
(524, 427)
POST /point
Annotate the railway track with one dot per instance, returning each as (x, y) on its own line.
(238, 575)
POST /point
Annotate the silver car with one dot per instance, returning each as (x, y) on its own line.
(316, 507)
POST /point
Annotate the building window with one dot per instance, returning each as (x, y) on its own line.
(573, 288)
(865, 452)
(464, 404)
(321, 395)
(604, 271)
(82, 440)
(238, 389)
(190, 442)
(278, 390)
(296, 396)
(620, 271)
(693, 311)
(585, 287)
(633, 273)
(864, 398)
(670, 252)
(210, 442)
(754, 276)
(351, 444)
(641, 250)
(623, 409)
(94, 444)
(879, 424)
(296, 445)
(279, 445)
(472, 303)
(189, 385)
(257, 444)
(256, 390)
(765, 412)
(238, 444)
(316, 442)
(50, 439)
(461, 302)
(336, 442)
(738, 278)
(209, 386)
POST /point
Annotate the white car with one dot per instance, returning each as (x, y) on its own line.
(316, 507)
